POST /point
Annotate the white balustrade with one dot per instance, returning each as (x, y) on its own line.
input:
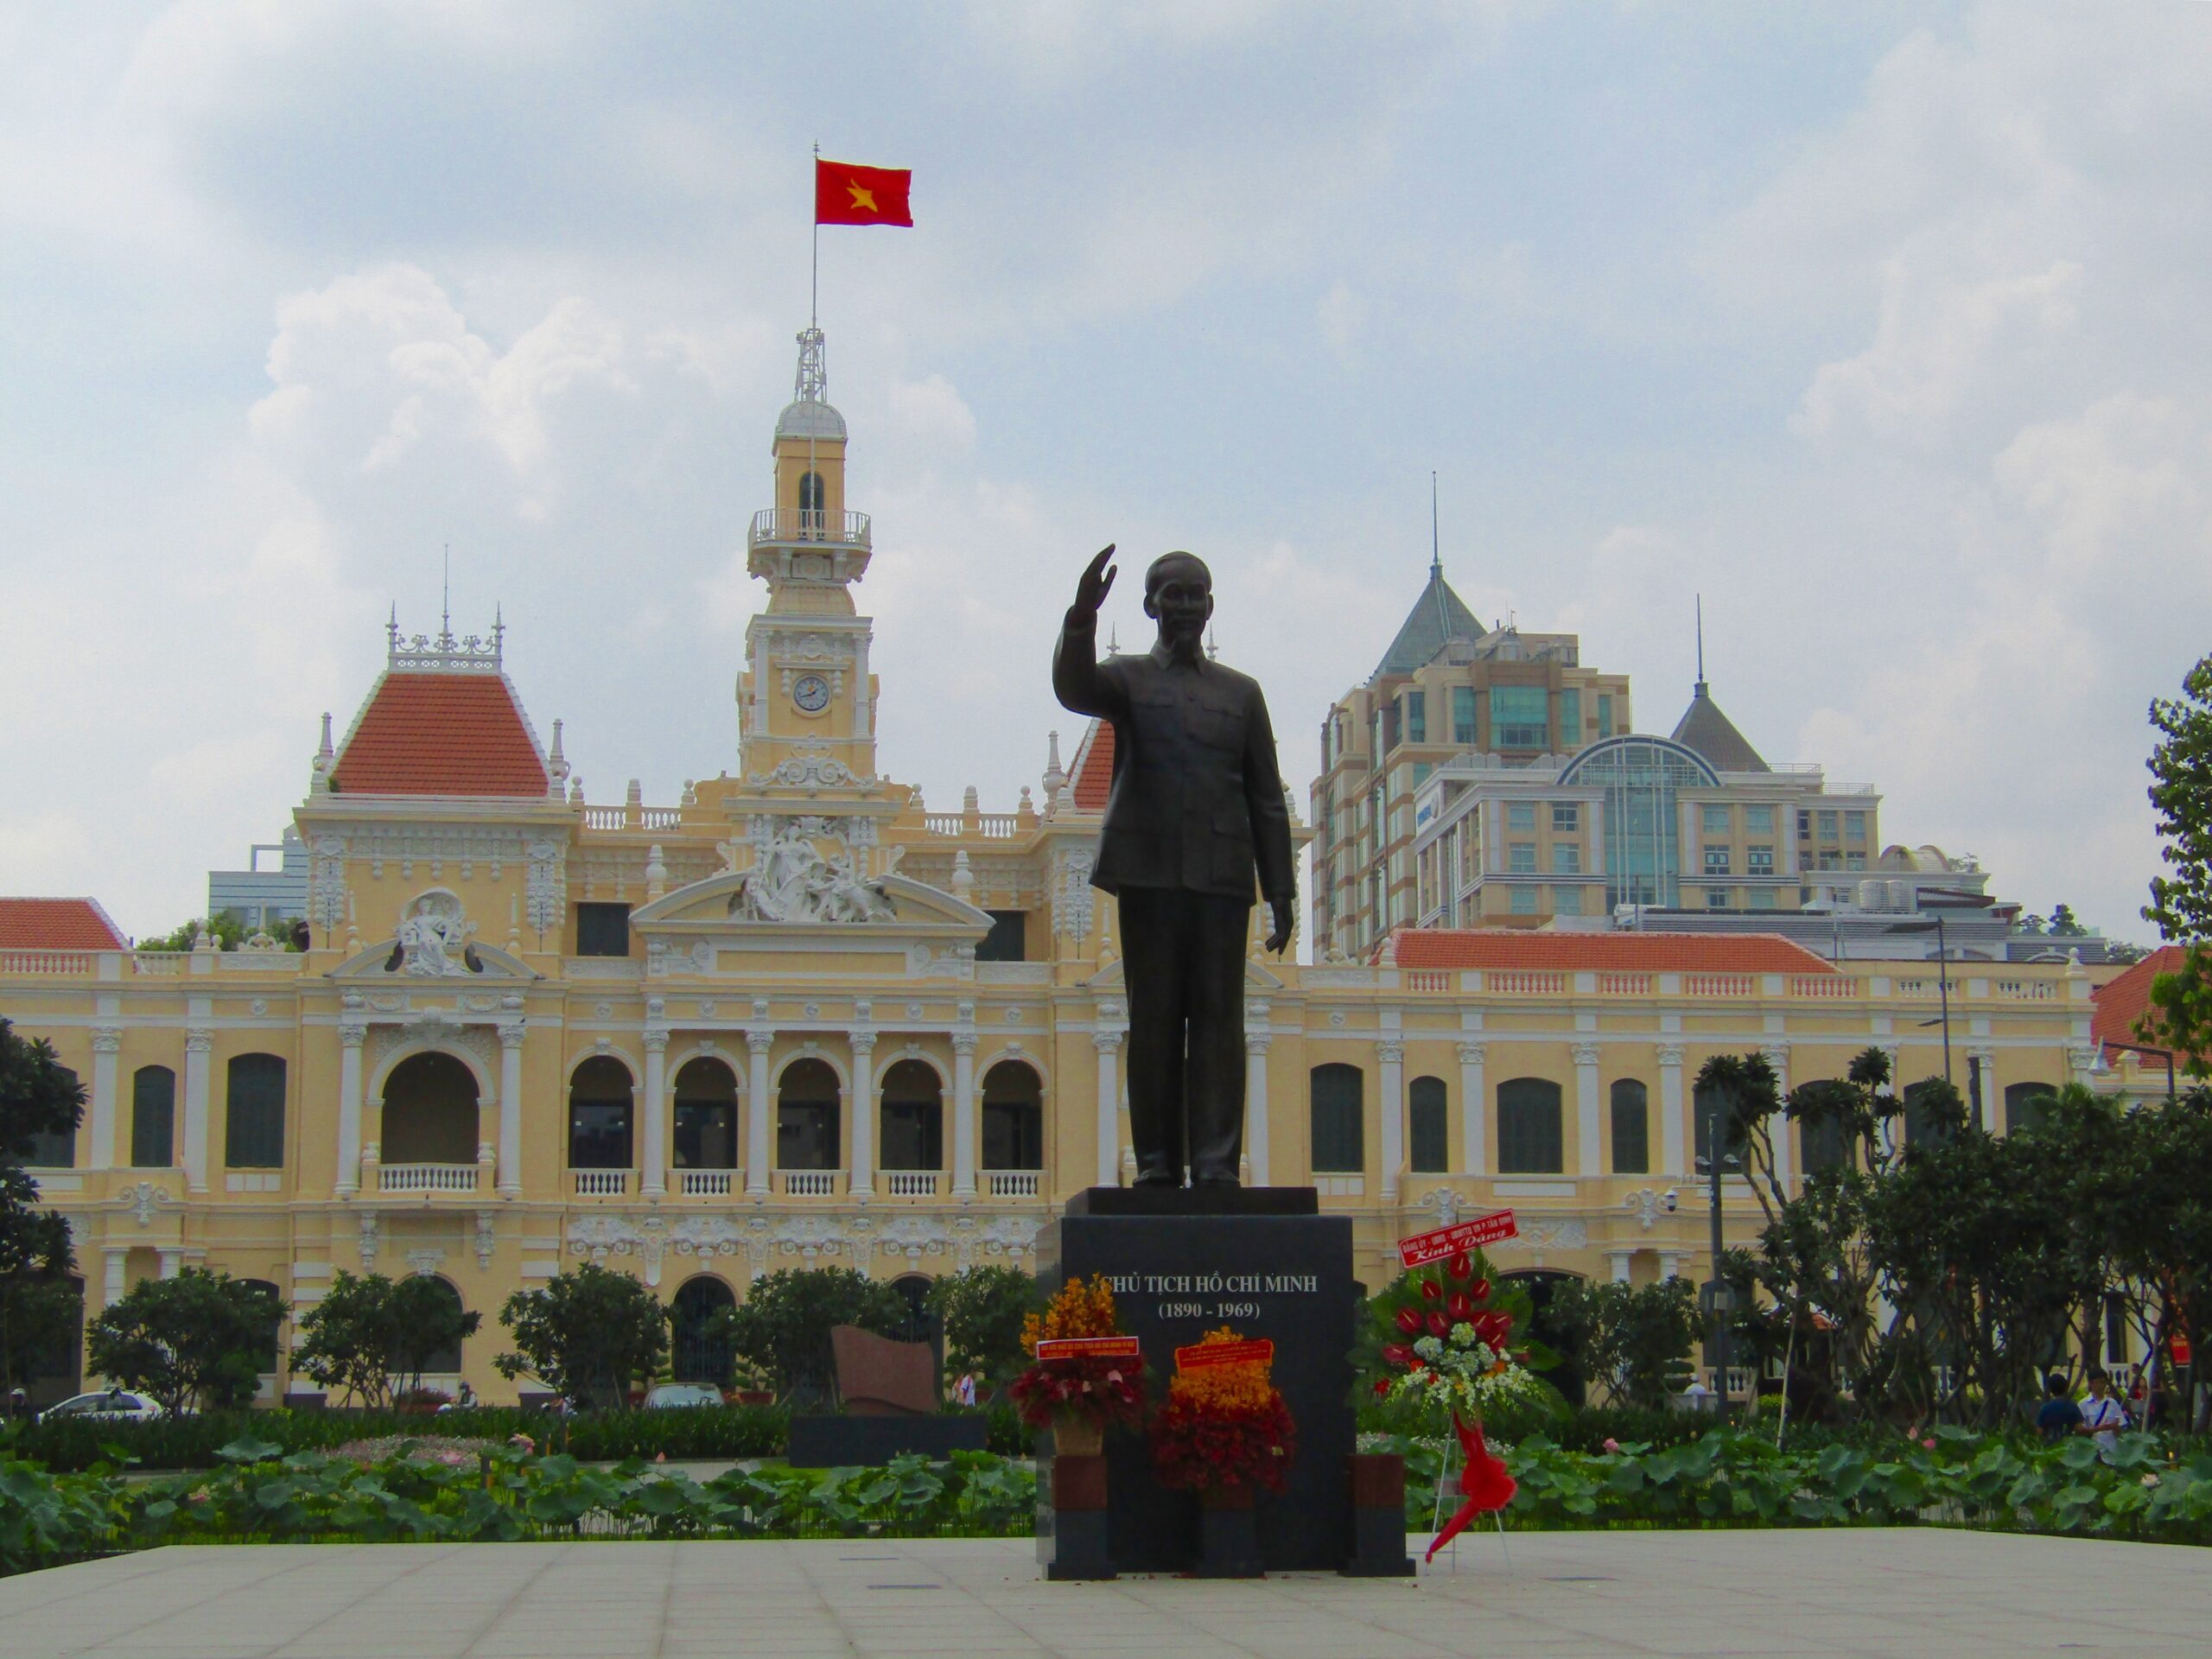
(46, 961)
(706, 1183)
(426, 1177)
(602, 1183)
(912, 1183)
(808, 1183)
(1012, 1183)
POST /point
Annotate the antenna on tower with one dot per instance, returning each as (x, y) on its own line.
(445, 600)
(1435, 536)
(1700, 645)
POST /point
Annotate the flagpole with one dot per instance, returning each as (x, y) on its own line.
(814, 284)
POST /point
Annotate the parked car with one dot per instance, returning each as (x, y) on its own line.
(670, 1394)
(112, 1405)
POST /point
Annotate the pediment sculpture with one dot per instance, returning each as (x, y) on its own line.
(791, 881)
(433, 939)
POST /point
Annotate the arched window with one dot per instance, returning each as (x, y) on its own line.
(1530, 1138)
(705, 1118)
(695, 1354)
(2027, 1106)
(444, 1362)
(253, 1118)
(429, 1112)
(913, 1116)
(1338, 1133)
(1631, 1127)
(921, 1323)
(1826, 1143)
(1703, 1104)
(1429, 1139)
(55, 1148)
(599, 1115)
(1541, 1283)
(1013, 1117)
(1930, 1114)
(806, 1115)
(266, 1358)
(153, 1117)
(810, 501)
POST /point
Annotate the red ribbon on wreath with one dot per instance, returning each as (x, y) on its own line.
(1484, 1481)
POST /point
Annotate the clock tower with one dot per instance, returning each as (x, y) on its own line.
(806, 701)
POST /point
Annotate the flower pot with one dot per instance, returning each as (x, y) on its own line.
(1076, 1437)
(1229, 1534)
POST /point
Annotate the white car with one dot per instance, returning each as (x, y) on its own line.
(109, 1405)
(668, 1395)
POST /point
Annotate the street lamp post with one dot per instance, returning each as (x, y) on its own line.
(1717, 1292)
(2166, 1054)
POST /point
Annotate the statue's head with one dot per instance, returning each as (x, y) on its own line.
(1178, 595)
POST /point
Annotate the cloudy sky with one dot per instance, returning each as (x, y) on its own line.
(1884, 327)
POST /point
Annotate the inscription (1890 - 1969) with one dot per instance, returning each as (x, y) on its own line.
(1212, 1285)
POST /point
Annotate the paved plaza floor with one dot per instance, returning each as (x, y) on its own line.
(1857, 1591)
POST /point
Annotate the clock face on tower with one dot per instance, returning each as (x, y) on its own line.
(812, 693)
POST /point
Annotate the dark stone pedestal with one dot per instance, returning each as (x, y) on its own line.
(1229, 1540)
(829, 1442)
(1378, 1518)
(1263, 1262)
(1071, 1515)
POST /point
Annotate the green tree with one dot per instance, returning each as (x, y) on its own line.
(2063, 925)
(1635, 1339)
(39, 1299)
(589, 1334)
(196, 1340)
(982, 1310)
(783, 1325)
(2181, 902)
(371, 1336)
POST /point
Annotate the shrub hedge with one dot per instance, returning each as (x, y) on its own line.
(693, 1434)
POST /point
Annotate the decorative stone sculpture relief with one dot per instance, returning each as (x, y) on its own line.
(791, 881)
(434, 938)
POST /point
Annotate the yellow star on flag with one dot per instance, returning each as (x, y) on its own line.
(863, 197)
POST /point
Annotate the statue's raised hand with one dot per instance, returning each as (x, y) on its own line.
(1097, 579)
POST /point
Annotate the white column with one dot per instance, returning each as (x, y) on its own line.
(172, 1263)
(107, 1043)
(1778, 1056)
(1108, 1044)
(111, 1277)
(1589, 1151)
(1255, 1099)
(861, 712)
(510, 1160)
(757, 1140)
(1474, 1116)
(1391, 1057)
(652, 1180)
(964, 1114)
(198, 1040)
(352, 1033)
(1982, 1063)
(1617, 1264)
(1671, 1150)
(862, 1182)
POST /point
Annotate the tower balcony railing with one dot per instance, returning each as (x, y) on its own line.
(786, 526)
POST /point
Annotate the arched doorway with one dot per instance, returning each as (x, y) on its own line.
(913, 1117)
(1013, 1117)
(600, 1114)
(706, 1116)
(806, 1115)
(1541, 1282)
(446, 1361)
(695, 1354)
(919, 1325)
(429, 1112)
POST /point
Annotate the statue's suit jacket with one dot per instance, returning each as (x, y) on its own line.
(1196, 800)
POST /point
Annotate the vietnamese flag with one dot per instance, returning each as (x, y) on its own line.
(846, 193)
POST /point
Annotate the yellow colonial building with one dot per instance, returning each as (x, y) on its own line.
(796, 1017)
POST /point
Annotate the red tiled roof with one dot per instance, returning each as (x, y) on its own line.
(2124, 999)
(1634, 953)
(432, 734)
(1093, 773)
(58, 925)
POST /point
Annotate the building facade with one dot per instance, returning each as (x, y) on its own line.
(799, 1018)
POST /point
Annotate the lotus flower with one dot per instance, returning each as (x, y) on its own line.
(1459, 1308)
(1430, 1291)
(1439, 1324)
(1409, 1321)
